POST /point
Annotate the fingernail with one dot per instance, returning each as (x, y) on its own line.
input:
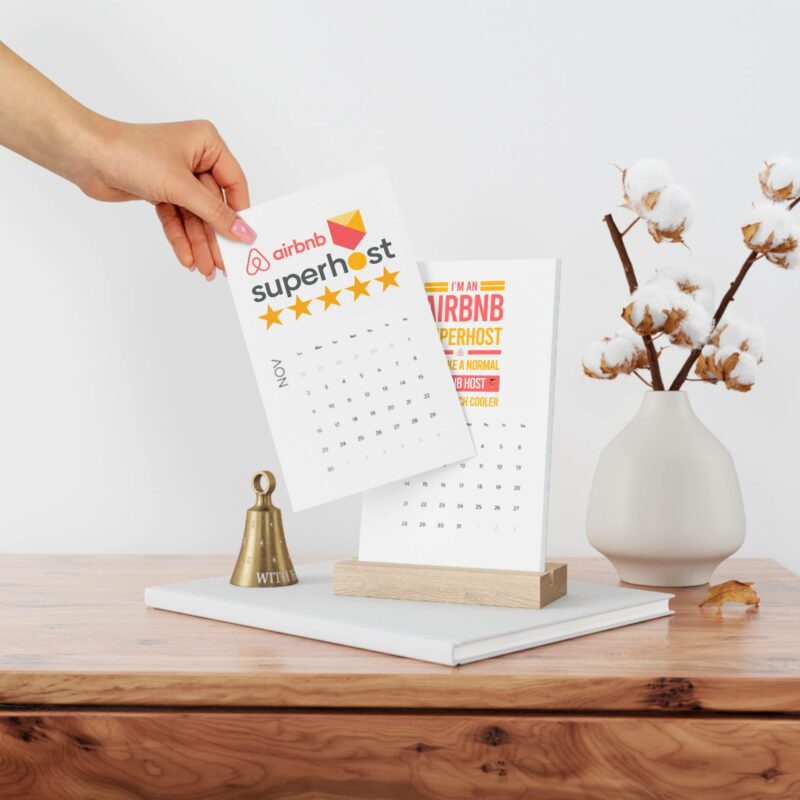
(242, 231)
(192, 268)
(210, 276)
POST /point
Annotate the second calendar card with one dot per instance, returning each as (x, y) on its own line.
(344, 349)
(497, 326)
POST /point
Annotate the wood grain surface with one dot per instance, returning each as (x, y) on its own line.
(74, 630)
(487, 587)
(391, 756)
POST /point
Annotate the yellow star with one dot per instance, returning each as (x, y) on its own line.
(330, 298)
(300, 307)
(388, 279)
(272, 316)
(358, 288)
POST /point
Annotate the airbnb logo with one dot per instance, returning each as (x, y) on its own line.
(256, 262)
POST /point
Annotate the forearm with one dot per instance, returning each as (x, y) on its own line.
(43, 123)
(184, 169)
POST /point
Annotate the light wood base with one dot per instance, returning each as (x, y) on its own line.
(483, 587)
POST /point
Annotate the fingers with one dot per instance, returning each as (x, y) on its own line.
(210, 183)
(229, 176)
(196, 234)
(192, 195)
(204, 200)
(193, 241)
(172, 223)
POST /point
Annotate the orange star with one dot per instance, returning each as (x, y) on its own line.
(358, 288)
(300, 307)
(272, 316)
(388, 279)
(330, 298)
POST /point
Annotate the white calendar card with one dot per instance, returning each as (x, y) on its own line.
(346, 354)
(497, 325)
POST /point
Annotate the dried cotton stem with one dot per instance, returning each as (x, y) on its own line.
(682, 375)
(633, 285)
(724, 303)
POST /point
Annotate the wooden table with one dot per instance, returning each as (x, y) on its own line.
(103, 698)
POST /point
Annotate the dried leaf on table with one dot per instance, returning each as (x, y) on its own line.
(731, 592)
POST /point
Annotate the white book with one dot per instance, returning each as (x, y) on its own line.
(443, 633)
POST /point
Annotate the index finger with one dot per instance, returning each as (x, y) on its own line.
(228, 174)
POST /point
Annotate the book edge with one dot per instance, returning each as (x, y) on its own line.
(360, 636)
(602, 622)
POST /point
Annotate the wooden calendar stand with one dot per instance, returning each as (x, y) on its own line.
(483, 587)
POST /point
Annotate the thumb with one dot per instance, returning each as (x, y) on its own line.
(211, 208)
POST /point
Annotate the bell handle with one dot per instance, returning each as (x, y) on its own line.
(262, 477)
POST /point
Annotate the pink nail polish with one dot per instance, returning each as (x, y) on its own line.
(210, 277)
(242, 231)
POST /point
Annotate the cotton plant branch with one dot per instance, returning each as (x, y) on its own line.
(728, 298)
(630, 226)
(633, 285)
(677, 301)
(643, 380)
(684, 371)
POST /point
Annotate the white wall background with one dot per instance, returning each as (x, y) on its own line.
(129, 418)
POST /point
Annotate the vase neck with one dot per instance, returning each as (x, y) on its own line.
(673, 404)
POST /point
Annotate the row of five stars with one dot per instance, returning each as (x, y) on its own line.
(330, 298)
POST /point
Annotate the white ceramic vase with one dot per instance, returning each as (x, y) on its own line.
(665, 506)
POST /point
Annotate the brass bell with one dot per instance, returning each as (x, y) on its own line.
(264, 559)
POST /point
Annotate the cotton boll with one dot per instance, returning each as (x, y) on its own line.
(624, 348)
(692, 282)
(769, 228)
(593, 360)
(704, 296)
(652, 309)
(724, 354)
(706, 365)
(780, 179)
(741, 374)
(790, 260)
(615, 355)
(729, 364)
(661, 305)
(642, 182)
(747, 338)
(694, 325)
(672, 214)
(674, 209)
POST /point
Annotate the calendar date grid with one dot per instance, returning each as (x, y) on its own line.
(487, 489)
(366, 395)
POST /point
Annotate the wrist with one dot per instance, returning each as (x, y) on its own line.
(93, 138)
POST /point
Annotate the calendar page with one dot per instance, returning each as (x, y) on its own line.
(345, 351)
(497, 326)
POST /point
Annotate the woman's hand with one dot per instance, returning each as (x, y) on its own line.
(186, 170)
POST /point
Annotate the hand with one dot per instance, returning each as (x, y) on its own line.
(186, 170)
